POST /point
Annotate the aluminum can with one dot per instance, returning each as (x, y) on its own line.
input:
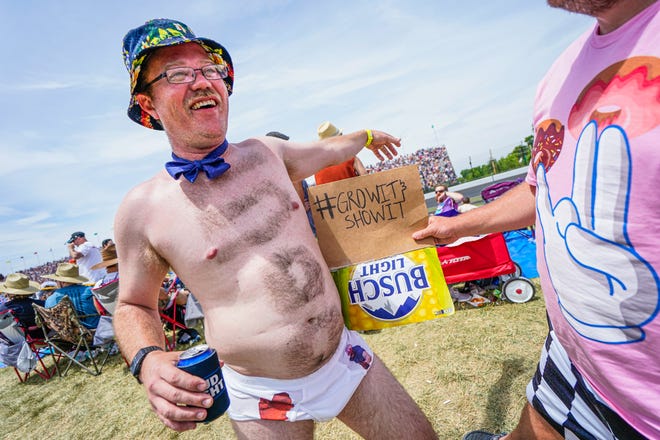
(202, 361)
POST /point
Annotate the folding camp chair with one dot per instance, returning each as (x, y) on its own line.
(174, 318)
(194, 313)
(169, 315)
(67, 336)
(23, 351)
(105, 297)
(105, 301)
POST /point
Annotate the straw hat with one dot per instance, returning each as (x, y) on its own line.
(327, 129)
(19, 284)
(109, 256)
(68, 273)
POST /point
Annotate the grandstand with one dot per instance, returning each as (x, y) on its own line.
(434, 164)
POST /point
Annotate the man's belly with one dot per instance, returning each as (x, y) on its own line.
(277, 346)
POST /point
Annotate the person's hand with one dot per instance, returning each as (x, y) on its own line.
(438, 228)
(168, 387)
(603, 284)
(384, 143)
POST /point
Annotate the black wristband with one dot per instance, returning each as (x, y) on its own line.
(136, 365)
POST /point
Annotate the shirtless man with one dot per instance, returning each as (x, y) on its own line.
(240, 241)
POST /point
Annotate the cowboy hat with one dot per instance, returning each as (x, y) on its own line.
(162, 32)
(327, 129)
(109, 256)
(68, 273)
(19, 284)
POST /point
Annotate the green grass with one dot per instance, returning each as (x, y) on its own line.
(466, 371)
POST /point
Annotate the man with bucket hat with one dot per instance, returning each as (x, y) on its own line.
(20, 291)
(70, 283)
(240, 241)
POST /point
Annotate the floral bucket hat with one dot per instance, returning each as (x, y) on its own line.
(162, 32)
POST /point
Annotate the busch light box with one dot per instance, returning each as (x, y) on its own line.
(364, 227)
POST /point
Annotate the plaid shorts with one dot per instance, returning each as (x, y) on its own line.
(561, 395)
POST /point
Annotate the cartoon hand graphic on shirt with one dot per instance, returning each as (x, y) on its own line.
(601, 281)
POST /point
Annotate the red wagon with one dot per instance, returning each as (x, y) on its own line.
(485, 257)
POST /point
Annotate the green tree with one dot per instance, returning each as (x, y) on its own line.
(519, 156)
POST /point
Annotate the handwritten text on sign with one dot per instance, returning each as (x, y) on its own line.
(369, 217)
(365, 205)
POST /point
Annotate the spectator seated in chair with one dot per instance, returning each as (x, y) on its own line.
(70, 283)
(19, 291)
(106, 289)
(45, 290)
(173, 305)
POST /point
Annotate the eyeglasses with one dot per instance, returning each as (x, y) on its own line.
(183, 75)
(440, 191)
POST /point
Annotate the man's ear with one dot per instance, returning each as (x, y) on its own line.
(146, 104)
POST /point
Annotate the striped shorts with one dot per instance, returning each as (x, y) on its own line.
(561, 395)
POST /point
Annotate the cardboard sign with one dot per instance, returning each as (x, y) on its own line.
(369, 217)
(383, 276)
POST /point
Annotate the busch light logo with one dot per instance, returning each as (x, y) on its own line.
(388, 289)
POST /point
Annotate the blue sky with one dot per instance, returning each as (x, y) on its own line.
(69, 152)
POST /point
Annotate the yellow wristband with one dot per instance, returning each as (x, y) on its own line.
(370, 138)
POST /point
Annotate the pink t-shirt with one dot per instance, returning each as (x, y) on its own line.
(596, 166)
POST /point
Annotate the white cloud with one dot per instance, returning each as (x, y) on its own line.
(33, 218)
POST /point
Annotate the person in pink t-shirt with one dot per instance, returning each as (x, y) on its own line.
(591, 189)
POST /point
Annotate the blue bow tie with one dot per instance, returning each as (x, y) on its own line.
(213, 165)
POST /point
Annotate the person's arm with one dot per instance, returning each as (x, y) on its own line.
(137, 324)
(182, 297)
(359, 167)
(305, 159)
(53, 299)
(456, 196)
(72, 251)
(514, 210)
(298, 186)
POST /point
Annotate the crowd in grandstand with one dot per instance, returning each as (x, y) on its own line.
(434, 165)
(35, 273)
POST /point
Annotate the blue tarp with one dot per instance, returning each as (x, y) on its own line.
(522, 248)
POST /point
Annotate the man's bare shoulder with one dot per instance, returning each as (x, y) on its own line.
(275, 145)
(146, 196)
(152, 190)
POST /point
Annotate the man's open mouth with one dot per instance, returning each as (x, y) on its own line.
(209, 103)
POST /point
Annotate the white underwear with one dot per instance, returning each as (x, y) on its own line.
(319, 396)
